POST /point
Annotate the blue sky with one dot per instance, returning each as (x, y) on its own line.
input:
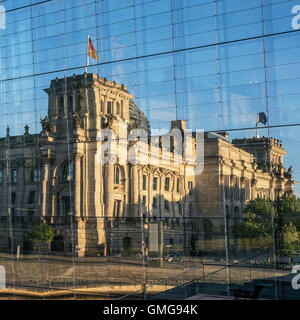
(168, 59)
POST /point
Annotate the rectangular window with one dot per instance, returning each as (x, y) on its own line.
(117, 208)
(14, 175)
(155, 183)
(167, 184)
(35, 175)
(1, 176)
(154, 203)
(13, 198)
(190, 186)
(178, 184)
(144, 182)
(109, 107)
(166, 205)
(117, 175)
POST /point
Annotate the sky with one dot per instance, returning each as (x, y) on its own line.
(213, 63)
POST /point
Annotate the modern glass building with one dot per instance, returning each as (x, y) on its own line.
(149, 148)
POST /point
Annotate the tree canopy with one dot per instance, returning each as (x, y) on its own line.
(280, 219)
(39, 234)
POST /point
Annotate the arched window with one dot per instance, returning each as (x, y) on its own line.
(68, 171)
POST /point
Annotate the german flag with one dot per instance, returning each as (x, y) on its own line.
(91, 50)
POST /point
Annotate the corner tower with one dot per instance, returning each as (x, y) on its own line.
(80, 104)
(74, 184)
(268, 152)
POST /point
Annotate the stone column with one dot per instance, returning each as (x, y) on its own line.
(77, 185)
(45, 192)
(149, 202)
(54, 204)
(126, 194)
(105, 105)
(134, 186)
(109, 190)
(21, 196)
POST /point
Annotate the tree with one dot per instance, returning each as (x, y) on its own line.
(257, 219)
(279, 219)
(39, 234)
(289, 210)
(289, 241)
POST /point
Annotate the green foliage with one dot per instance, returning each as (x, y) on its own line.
(41, 233)
(255, 243)
(258, 219)
(259, 206)
(289, 210)
(263, 218)
(288, 205)
(289, 240)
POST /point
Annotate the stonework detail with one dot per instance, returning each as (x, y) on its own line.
(107, 203)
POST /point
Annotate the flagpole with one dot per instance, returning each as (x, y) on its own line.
(87, 55)
(257, 121)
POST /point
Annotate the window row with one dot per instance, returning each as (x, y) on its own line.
(160, 203)
(168, 183)
(35, 175)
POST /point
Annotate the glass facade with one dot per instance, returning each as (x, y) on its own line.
(94, 192)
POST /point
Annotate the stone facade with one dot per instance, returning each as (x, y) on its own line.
(234, 173)
(91, 204)
(94, 206)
